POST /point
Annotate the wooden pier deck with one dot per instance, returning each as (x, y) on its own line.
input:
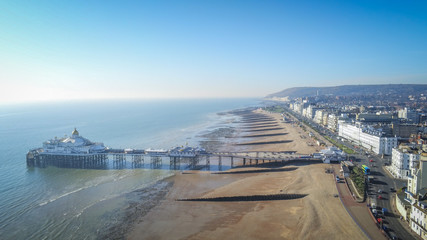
(131, 158)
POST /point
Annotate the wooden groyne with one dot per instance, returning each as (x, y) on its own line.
(259, 171)
(270, 197)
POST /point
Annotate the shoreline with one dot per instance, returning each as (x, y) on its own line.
(137, 207)
(316, 215)
(140, 202)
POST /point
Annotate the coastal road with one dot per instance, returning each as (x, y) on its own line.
(383, 182)
(358, 211)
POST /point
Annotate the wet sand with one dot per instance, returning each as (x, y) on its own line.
(318, 215)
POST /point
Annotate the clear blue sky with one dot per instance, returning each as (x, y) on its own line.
(155, 49)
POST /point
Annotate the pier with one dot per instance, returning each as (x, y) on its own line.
(125, 158)
(78, 152)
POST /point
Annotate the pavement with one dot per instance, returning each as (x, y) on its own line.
(359, 212)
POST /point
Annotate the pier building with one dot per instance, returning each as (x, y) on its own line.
(75, 144)
(73, 151)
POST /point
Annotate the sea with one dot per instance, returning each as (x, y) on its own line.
(68, 203)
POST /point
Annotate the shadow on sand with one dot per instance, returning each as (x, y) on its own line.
(263, 143)
(264, 135)
(260, 170)
(250, 198)
(261, 126)
(264, 129)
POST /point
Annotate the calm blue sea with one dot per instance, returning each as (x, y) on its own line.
(59, 203)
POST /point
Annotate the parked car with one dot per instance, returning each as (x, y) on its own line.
(392, 236)
(385, 227)
(384, 211)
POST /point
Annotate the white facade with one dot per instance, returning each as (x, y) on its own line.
(310, 111)
(72, 145)
(320, 116)
(418, 219)
(333, 122)
(304, 112)
(416, 193)
(297, 107)
(408, 114)
(325, 119)
(368, 139)
(403, 207)
(402, 162)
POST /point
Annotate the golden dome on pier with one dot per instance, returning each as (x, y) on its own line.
(75, 132)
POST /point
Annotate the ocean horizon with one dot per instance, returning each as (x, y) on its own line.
(70, 203)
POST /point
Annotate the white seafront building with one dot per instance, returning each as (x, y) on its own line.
(310, 111)
(402, 161)
(75, 144)
(367, 137)
(297, 107)
(416, 196)
(412, 203)
(321, 117)
(418, 217)
(333, 122)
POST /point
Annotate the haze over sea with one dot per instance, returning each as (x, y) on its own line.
(47, 203)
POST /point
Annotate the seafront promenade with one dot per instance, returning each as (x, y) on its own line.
(358, 211)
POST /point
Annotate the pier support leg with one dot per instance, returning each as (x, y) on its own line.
(232, 163)
(208, 162)
(193, 162)
(244, 161)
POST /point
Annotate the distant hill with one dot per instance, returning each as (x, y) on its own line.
(346, 90)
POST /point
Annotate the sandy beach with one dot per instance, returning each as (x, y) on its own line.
(318, 215)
